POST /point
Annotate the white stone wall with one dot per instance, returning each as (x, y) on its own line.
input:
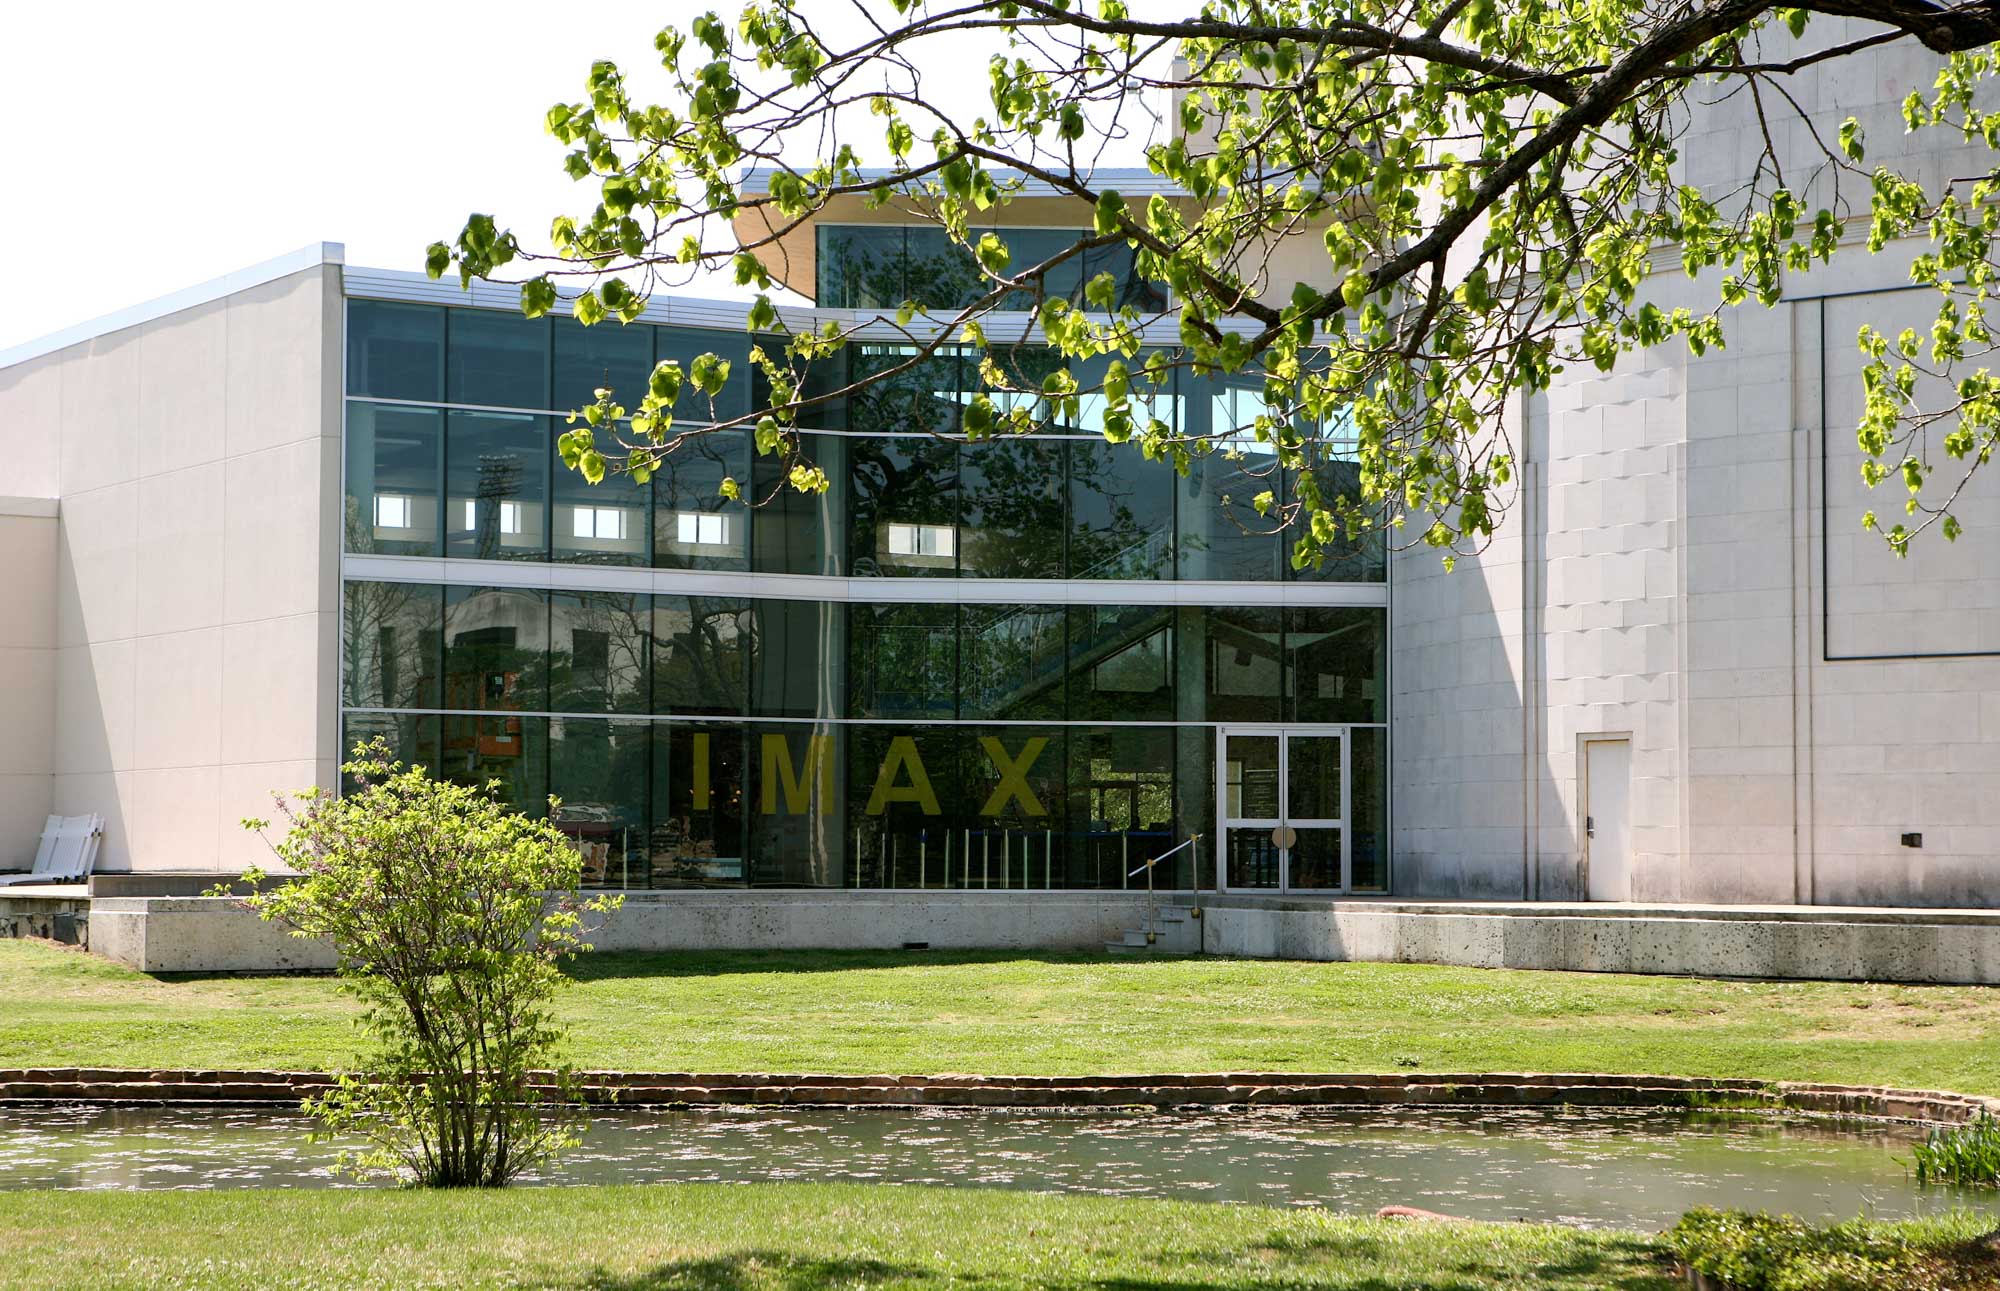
(197, 460)
(1662, 574)
(27, 673)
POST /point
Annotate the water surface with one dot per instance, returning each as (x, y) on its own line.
(1596, 1167)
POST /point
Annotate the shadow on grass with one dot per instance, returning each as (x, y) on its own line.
(755, 1271)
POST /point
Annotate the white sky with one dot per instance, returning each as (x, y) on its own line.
(152, 146)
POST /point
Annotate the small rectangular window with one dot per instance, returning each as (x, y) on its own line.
(509, 514)
(609, 524)
(392, 511)
(702, 529)
(922, 540)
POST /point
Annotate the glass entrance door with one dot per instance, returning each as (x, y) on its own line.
(1282, 812)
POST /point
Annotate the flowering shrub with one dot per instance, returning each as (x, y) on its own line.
(451, 916)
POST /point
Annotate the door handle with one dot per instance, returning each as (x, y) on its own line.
(1590, 826)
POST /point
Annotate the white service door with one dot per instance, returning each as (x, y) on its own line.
(1607, 786)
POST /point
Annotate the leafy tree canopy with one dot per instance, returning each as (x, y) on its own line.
(1487, 181)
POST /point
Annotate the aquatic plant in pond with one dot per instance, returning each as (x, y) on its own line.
(1966, 1154)
(450, 915)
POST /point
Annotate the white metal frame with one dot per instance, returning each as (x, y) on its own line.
(1284, 733)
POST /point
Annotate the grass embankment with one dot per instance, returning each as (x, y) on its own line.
(925, 1013)
(773, 1238)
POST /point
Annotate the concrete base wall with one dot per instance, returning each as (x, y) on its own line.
(1818, 944)
(215, 935)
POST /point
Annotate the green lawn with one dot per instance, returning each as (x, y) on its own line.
(785, 1237)
(935, 1012)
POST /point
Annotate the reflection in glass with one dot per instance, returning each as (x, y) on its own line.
(799, 669)
(1013, 829)
(512, 749)
(1011, 508)
(390, 644)
(796, 791)
(1334, 664)
(698, 805)
(801, 533)
(1312, 777)
(1229, 664)
(860, 266)
(1315, 860)
(1368, 783)
(598, 646)
(610, 353)
(701, 650)
(1121, 662)
(497, 482)
(1012, 661)
(496, 648)
(902, 794)
(684, 345)
(903, 491)
(393, 458)
(599, 524)
(1336, 473)
(598, 771)
(1030, 247)
(395, 351)
(939, 273)
(1250, 777)
(1121, 513)
(903, 660)
(1121, 807)
(412, 738)
(694, 526)
(497, 359)
(1221, 534)
(1250, 859)
(1194, 797)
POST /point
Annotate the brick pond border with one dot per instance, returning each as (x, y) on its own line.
(1165, 1092)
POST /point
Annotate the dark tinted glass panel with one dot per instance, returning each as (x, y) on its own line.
(800, 665)
(1334, 664)
(698, 806)
(497, 359)
(902, 796)
(1312, 777)
(1315, 859)
(496, 652)
(598, 648)
(1121, 662)
(598, 771)
(1121, 513)
(1194, 795)
(684, 345)
(497, 484)
(903, 660)
(390, 644)
(1016, 827)
(1121, 808)
(939, 273)
(860, 266)
(1221, 534)
(1335, 474)
(610, 353)
(1012, 661)
(1368, 790)
(1028, 248)
(1230, 664)
(511, 749)
(412, 737)
(1133, 290)
(701, 649)
(798, 828)
(393, 458)
(903, 495)
(1011, 509)
(395, 351)
(801, 533)
(694, 526)
(599, 524)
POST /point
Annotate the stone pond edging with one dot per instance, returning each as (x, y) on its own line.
(1171, 1091)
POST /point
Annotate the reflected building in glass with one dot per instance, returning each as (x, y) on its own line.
(1026, 663)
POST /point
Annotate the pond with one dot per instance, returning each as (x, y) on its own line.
(1587, 1166)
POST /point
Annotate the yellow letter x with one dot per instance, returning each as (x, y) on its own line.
(1013, 777)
